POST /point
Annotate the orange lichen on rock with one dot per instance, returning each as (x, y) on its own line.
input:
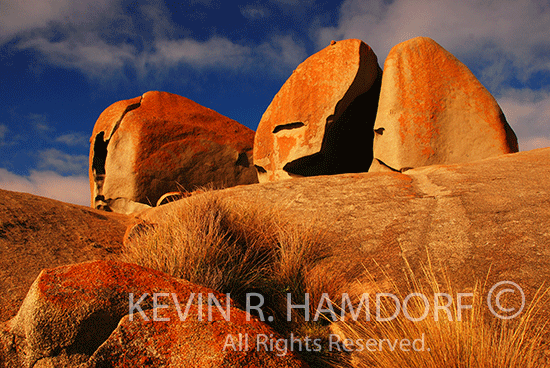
(75, 308)
(228, 339)
(161, 142)
(116, 314)
(433, 110)
(310, 120)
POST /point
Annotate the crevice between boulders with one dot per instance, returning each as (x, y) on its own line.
(381, 166)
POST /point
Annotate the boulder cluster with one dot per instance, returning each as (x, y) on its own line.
(337, 113)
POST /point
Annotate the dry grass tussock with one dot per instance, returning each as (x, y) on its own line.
(237, 248)
(471, 338)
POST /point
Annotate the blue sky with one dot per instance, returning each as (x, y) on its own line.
(63, 62)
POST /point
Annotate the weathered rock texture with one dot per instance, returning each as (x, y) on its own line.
(321, 120)
(145, 147)
(433, 110)
(78, 316)
(191, 343)
(38, 233)
(492, 214)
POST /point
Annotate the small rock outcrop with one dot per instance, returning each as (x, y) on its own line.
(433, 110)
(160, 142)
(321, 120)
(79, 316)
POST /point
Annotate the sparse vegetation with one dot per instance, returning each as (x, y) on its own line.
(235, 248)
(470, 338)
(239, 248)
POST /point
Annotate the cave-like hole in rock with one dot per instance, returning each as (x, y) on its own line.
(347, 144)
(100, 155)
(242, 160)
(93, 331)
(260, 169)
(98, 166)
(289, 126)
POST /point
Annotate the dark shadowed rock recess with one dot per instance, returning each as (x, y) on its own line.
(321, 120)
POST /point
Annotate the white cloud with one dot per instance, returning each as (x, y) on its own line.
(278, 55)
(70, 189)
(89, 54)
(113, 46)
(61, 162)
(281, 54)
(533, 143)
(501, 35)
(98, 59)
(40, 122)
(528, 112)
(74, 139)
(3, 132)
(254, 12)
(4, 141)
(499, 40)
(216, 52)
(18, 16)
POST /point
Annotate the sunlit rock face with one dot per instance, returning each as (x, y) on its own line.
(433, 110)
(321, 120)
(104, 314)
(160, 142)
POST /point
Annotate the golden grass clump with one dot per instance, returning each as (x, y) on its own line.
(463, 338)
(235, 248)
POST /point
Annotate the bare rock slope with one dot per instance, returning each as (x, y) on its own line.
(489, 215)
(484, 220)
(38, 233)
